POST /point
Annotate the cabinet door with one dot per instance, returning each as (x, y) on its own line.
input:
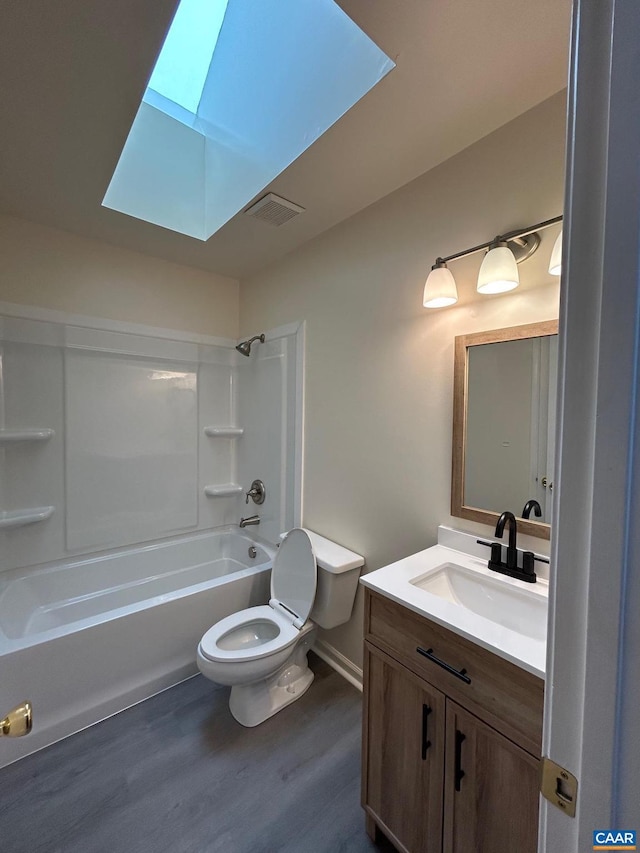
(491, 789)
(403, 753)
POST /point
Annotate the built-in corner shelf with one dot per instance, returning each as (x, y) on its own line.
(223, 431)
(20, 517)
(225, 490)
(11, 435)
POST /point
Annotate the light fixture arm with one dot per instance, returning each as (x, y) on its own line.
(510, 235)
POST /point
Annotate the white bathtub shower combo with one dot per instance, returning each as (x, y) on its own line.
(84, 639)
(125, 455)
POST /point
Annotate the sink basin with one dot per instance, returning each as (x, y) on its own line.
(521, 610)
(454, 587)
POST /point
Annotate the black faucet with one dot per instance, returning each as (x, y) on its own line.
(512, 551)
(510, 568)
(532, 505)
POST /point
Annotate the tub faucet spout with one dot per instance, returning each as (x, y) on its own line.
(253, 519)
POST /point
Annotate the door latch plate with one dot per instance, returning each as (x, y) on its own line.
(559, 786)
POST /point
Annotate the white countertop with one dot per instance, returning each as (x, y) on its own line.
(394, 582)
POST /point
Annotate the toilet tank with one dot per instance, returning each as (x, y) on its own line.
(338, 573)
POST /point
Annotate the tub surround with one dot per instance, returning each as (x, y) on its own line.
(113, 434)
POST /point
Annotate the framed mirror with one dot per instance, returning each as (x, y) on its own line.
(504, 401)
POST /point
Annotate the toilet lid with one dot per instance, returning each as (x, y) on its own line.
(293, 576)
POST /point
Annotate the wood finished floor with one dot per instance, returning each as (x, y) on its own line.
(178, 774)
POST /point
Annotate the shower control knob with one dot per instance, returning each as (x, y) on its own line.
(257, 492)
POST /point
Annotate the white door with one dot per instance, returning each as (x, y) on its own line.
(592, 724)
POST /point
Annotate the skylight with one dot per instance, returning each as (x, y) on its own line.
(183, 64)
(240, 89)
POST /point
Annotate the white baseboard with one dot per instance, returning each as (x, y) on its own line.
(339, 662)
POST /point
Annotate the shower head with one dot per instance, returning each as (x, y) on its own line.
(245, 346)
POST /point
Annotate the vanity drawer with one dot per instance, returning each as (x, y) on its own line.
(507, 696)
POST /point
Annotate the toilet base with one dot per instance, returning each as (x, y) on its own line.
(252, 704)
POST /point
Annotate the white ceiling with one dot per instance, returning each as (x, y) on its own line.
(73, 73)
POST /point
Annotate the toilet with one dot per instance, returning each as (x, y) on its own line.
(261, 652)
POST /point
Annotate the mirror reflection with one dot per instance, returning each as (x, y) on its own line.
(504, 425)
(511, 426)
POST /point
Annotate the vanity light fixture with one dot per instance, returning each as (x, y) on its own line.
(555, 264)
(499, 268)
(440, 287)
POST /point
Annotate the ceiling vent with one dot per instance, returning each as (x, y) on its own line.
(274, 210)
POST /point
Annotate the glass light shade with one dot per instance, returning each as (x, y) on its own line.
(555, 264)
(498, 272)
(440, 289)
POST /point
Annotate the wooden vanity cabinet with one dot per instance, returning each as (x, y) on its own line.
(404, 763)
(450, 762)
(494, 806)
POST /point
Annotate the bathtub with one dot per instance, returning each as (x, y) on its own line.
(88, 637)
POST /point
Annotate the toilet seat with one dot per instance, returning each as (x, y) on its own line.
(258, 632)
(285, 635)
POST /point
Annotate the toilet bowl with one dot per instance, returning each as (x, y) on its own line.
(261, 652)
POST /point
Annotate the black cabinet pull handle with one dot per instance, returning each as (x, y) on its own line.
(426, 743)
(459, 673)
(458, 771)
